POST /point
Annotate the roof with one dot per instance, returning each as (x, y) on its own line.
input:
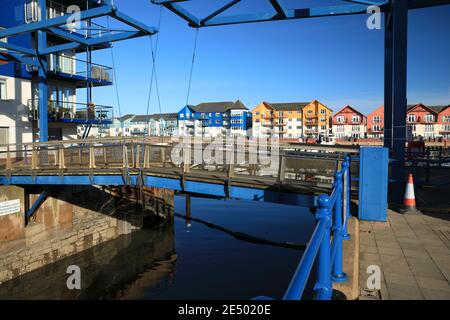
(145, 118)
(288, 106)
(351, 108)
(219, 106)
(435, 109)
(126, 117)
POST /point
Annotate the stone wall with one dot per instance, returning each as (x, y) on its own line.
(68, 222)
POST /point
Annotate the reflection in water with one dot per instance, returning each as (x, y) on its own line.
(184, 262)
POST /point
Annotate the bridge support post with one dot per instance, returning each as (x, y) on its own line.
(42, 76)
(323, 286)
(337, 273)
(347, 182)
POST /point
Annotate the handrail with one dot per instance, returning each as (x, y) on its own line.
(325, 245)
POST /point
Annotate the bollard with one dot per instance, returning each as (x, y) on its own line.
(346, 193)
(337, 274)
(323, 286)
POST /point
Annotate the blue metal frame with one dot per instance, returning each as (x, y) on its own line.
(396, 12)
(36, 204)
(212, 189)
(38, 56)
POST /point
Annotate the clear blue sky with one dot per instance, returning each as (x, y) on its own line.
(335, 60)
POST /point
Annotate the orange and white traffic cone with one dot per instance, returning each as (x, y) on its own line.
(409, 203)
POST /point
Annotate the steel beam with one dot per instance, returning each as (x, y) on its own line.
(399, 100)
(16, 48)
(388, 44)
(59, 21)
(42, 76)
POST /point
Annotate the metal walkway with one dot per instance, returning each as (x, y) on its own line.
(285, 168)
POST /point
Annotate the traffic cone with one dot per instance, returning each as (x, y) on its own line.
(409, 203)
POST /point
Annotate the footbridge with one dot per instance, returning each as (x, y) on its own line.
(257, 170)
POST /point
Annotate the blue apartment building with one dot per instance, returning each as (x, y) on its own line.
(214, 119)
(69, 74)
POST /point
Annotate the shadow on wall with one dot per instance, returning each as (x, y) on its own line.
(141, 208)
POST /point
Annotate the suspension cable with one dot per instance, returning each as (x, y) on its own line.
(192, 66)
(116, 85)
(153, 73)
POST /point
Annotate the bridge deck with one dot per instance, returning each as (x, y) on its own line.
(273, 167)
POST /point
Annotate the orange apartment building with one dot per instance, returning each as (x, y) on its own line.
(278, 120)
(317, 120)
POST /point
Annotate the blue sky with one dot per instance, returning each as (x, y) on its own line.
(336, 60)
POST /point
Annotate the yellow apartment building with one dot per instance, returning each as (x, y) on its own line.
(291, 120)
(316, 120)
(278, 120)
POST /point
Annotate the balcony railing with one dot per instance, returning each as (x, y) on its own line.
(79, 69)
(61, 111)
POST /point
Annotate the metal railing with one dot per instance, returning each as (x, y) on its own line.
(79, 68)
(275, 165)
(71, 111)
(325, 246)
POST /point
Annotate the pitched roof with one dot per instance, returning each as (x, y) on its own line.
(353, 109)
(126, 117)
(435, 109)
(156, 116)
(288, 106)
(219, 106)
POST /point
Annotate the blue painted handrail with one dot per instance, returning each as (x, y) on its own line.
(325, 245)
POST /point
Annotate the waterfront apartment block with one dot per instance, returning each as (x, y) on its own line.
(165, 124)
(67, 74)
(293, 120)
(425, 121)
(278, 120)
(349, 123)
(317, 119)
(214, 119)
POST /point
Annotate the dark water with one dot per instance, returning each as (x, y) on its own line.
(181, 262)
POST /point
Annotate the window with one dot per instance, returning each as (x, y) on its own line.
(377, 119)
(323, 127)
(356, 118)
(376, 127)
(31, 11)
(429, 118)
(340, 119)
(3, 89)
(4, 135)
(412, 118)
(446, 119)
(355, 128)
(429, 128)
(323, 111)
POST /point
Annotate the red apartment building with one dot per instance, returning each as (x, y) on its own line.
(425, 121)
(375, 123)
(349, 123)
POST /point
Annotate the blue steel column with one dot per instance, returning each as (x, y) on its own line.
(388, 39)
(400, 31)
(42, 77)
(337, 273)
(323, 286)
(347, 195)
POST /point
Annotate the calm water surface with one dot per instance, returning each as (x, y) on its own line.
(184, 262)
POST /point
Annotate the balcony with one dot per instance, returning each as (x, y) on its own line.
(71, 112)
(79, 71)
(189, 123)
